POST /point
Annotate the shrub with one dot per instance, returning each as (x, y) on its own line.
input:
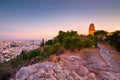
(73, 43)
(49, 42)
(114, 39)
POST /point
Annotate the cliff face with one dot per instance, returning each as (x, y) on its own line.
(72, 68)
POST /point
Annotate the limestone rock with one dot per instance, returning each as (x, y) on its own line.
(62, 59)
(22, 74)
(72, 68)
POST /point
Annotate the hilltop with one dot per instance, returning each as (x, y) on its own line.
(84, 58)
(99, 59)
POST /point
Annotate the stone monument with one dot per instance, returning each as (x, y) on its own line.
(91, 29)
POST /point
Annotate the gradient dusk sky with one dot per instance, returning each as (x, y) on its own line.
(35, 19)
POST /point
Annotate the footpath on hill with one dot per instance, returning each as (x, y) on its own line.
(105, 53)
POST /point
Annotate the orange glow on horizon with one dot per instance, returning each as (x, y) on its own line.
(17, 35)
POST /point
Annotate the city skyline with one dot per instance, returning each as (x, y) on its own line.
(36, 19)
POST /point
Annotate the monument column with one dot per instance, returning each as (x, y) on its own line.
(91, 29)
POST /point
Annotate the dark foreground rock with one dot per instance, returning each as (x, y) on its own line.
(72, 68)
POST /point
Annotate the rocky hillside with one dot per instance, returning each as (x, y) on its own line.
(72, 68)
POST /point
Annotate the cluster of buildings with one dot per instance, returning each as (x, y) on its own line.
(10, 49)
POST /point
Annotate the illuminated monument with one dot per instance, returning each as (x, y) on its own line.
(91, 29)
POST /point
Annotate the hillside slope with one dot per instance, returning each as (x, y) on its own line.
(95, 64)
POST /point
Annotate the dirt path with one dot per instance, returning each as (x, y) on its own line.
(104, 52)
(91, 55)
(102, 55)
(114, 54)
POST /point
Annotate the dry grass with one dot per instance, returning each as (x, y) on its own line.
(116, 56)
(92, 54)
(89, 54)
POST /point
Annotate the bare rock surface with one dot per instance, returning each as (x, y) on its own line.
(71, 69)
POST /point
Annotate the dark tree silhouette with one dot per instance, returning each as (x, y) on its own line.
(42, 43)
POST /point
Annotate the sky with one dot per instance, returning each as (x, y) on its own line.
(36, 19)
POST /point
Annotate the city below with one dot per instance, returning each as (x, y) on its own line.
(10, 49)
